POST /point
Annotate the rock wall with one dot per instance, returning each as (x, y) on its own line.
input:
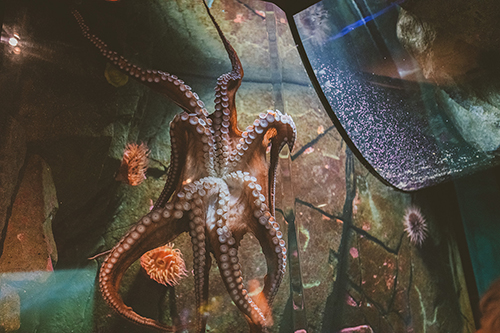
(456, 45)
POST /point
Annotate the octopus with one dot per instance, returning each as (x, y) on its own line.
(220, 185)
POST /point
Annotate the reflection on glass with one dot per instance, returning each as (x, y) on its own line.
(415, 127)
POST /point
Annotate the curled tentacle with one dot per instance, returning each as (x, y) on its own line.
(285, 134)
(187, 128)
(225, 116)
(162, 82)
(177, 163)
(202, 193)
(153, 230)
(230, 271)
(228, 84)
(273, 246)
(271, 127)
(266, 230)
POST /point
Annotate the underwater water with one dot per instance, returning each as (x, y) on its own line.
(360, 253)
(419, 106)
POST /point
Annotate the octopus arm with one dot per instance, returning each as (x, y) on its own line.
(199, 195)
(153, 230)
(230, 271)
(228, 83)
(285, 134)
(177, 162)
(185, 130)
(267, 231)
(272, 127)
(162, 82)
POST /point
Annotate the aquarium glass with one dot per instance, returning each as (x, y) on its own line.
(86, 149)
(413, 86)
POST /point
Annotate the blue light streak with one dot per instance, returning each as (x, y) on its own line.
(364, 20)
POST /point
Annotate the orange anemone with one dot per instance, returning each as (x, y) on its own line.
(164, 265)
(134, 164)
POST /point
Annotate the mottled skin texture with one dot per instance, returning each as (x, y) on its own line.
(220, 186)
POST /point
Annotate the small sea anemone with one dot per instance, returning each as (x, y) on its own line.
(134, 164)
(415, 226)
(114, 76)
(164, 265)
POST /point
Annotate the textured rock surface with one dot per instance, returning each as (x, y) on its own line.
(30, 251)
(12, 154)
(456, 45)
(451, 39)
(29, 244)
(477, 119)
(358, 267)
